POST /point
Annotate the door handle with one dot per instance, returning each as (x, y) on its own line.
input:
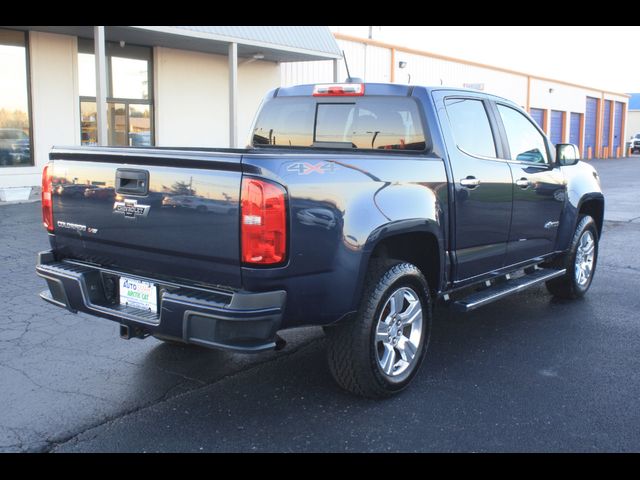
(523, 183)
(133, 182)
(470, 182)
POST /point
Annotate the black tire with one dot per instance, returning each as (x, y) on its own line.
(352, 346)
(567, 286)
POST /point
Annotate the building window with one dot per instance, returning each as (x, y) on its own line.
(129, 94)
(15, 121)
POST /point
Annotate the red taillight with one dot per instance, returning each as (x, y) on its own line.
(47, 204)
(339, 90)
(263, 222)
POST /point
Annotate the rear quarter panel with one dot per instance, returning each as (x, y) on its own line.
(341, 206)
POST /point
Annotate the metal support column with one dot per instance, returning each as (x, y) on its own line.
(335, 70)
(101, 84)
(233, 95)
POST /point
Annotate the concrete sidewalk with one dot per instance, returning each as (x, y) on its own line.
(34, 196)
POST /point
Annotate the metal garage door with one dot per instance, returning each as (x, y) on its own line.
(555, 132)
(606, 123)
(617, 128)
(574, 129)
(538, 115)
(590, 126)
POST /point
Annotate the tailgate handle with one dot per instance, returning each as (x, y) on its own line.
(133, 182)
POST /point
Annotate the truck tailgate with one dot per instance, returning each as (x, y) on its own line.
(153, 212)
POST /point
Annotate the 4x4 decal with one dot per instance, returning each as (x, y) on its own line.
(306, 168)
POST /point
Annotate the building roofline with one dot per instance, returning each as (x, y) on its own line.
(424, 53)
(243, 41)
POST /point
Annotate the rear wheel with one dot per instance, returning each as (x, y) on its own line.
(378, 352)
(580, 262)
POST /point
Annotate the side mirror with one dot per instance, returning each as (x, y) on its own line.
(567, 154)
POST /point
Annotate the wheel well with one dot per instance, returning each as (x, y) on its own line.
(595, 209)
(419, 248)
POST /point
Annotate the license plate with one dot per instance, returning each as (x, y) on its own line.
(138, 294)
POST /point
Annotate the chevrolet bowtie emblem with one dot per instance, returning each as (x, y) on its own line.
(131, 209)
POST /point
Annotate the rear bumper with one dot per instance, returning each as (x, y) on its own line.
(239, 321)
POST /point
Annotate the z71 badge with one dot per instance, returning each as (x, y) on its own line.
(131, 209)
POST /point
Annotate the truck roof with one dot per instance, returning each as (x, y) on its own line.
(388, 89)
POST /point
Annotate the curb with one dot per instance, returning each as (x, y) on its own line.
(18, 202)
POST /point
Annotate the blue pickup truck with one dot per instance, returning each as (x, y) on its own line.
(356, 207)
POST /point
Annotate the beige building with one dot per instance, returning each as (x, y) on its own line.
(200, 86)
(593, 119)
(163, 86)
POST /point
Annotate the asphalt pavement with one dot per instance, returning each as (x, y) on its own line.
(527, 373)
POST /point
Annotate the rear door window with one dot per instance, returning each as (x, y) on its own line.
(470, 126)
(366, 123)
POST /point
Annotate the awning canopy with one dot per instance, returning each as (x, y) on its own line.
(270, 43)
(267, 43)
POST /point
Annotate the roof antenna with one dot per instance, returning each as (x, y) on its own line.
(350, 79)
(346, 65)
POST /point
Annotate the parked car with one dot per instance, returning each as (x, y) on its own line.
(356, 208)
(95, 192)
(15, 148)
(635, 143)
(140, 139)
(72, 190)
(199, 204)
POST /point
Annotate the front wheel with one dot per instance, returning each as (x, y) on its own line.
(378, 352)
(580, 262)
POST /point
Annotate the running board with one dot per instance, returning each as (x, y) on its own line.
(501, 290)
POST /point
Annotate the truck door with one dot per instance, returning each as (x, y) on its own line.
(538, 188)
(482, 183)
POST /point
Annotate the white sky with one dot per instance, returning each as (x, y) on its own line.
(599, 57)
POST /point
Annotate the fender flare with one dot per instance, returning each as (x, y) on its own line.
(392, 229)
(569, 219)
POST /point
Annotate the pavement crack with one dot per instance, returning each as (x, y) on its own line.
(19, 445)
(52, 389)
(24, 374)
(52, 445)
(620, 267)
(180, 375)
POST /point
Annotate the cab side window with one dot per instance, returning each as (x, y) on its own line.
(526, 143)
(470, 126)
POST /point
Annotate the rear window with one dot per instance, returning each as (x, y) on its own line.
(368, 123)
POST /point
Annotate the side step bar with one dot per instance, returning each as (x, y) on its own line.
(501, 290)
